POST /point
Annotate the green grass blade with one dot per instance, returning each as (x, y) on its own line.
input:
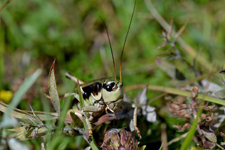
(93, 145)
(22, 90)
(7, 121)
(191, 133)
(177, 91)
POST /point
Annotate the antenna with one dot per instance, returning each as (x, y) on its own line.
(125, 43)
(111, 51)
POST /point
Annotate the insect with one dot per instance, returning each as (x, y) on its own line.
(104, 95)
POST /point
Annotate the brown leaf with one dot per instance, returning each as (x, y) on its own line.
(194, 91)
(209, 145)
(108, 136)
(104, 118)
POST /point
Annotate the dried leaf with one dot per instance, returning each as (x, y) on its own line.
(53, 89)
(220, 94)
(148, 111)
(194, 91)
(211, 86)
(108, 136)
(141, 98)
(210, 136)
(151, 114)
(120, 139)
(209, 145)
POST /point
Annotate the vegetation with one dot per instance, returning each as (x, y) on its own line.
(172, 61)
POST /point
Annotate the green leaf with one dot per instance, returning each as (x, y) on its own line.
(76, 120)
(53, 89)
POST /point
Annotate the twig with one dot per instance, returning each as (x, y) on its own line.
(177, 139)
(4, 5)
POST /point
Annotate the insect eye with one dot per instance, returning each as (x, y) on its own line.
(108, 87)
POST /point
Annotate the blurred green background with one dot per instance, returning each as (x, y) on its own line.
(34, 33)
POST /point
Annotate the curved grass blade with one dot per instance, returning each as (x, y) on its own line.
(53, 89)
(7, 121)
(22, 90)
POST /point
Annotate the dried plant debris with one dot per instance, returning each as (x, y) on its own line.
(148, 111)
(120, 139)
(188, 110)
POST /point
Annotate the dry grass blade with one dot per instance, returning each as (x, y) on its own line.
(21, 114)
(53, 89)
(180, 31)
(74, 78)
(171, 30)
(161, 45)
